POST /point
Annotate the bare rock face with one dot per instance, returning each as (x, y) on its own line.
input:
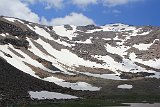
(15, 42)
(135, 75)
(68, 27)
(7, 27)
(88, 27)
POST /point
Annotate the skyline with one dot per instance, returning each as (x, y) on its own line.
(83, 12)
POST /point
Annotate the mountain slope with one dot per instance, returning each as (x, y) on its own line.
(76, 56)
(15, 84)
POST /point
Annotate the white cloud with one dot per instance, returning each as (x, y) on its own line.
(84, 3)
(15, 8)
(18, 9)
(112, 3)
(58, 4)
(73, 19)
(53, 3)
(29, 1)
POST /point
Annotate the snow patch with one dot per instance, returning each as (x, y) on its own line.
(75, 86)
(62, 31)
(10, 19)
(125, 86)
(125, 66)
(152, 63)
(143, 46)
(3, 35)
(104, 76)
(41, 32)
(42, 95)
(119, 50)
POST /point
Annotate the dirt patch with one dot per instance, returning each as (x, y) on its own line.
(94, 70)
(16, 53)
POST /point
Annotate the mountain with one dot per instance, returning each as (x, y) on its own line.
(42, 62)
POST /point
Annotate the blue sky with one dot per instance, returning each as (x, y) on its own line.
(100, 12)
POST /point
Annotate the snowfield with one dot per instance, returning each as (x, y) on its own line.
(43, 95)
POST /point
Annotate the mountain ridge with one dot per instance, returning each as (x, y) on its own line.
(75, 57)
(88, 42)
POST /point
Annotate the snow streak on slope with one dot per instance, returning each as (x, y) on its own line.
(15, 61)
(66, 57)
(152, 63)
(126, 66)
(75, 86)
(46, 35)
(11, 19)
(39, 53)
(142, 46)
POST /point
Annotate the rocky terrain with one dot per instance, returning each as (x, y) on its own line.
(83, 61)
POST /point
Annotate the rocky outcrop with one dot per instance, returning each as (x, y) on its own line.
(14, 30)
(88, 27)
(15, 42)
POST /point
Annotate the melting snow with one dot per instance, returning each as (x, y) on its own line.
(114, 27)
(41, 32)
(13, 19)
(3, 35)
(66, 57)
(60, 30)
(42, 95)
(117, 50)
(118, 27)
(125, 66)
(152, 63)
(75, 86)
(10, 19)
(36, 51)
(104, 76)
(142, 46)
(46, 35)
(16, 61)
(125, 86)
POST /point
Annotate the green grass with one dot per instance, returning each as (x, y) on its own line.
(81, 103)
(113, 100)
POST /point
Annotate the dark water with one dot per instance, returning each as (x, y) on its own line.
(140, 105)
(98, 105)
